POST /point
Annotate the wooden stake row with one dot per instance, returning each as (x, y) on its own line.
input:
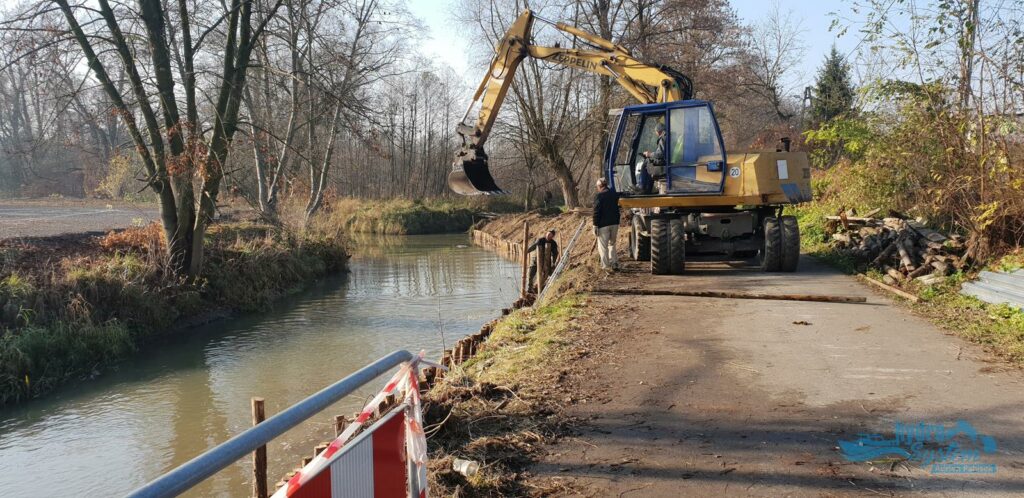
(513, 251)
(463, 350)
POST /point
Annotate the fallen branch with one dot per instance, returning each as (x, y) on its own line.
(906, 295)
(735, 295)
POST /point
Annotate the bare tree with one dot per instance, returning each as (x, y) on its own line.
(176, 152)
(776, 47)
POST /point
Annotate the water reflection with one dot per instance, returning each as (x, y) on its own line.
(107, 436)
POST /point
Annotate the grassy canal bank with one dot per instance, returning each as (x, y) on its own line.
(505, 403)
(412, 217)
(71, 305)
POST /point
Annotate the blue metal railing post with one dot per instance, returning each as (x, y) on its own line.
(203, 466)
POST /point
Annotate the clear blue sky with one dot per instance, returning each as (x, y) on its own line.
(815, 17)
(444, 41)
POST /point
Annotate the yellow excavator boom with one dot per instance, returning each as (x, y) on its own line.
(646, 82)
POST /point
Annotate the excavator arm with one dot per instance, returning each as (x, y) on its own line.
(647, 83)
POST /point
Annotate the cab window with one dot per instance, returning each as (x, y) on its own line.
(693, 137)
(649, 134)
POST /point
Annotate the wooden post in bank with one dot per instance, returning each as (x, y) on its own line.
(526, 243)
(259, 457)
(542, 258)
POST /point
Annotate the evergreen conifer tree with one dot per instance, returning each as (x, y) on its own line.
(833, 91)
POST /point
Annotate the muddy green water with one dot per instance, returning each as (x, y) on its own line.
(107, 436)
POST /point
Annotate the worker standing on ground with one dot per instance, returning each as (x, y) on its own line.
(606, 224)
(548, 241)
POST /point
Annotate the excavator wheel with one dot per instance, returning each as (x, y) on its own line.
(790, 244)
(771, 251)
(661, 247)
(678, 243)
(639, 244)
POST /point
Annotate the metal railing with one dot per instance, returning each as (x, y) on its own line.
(203, 466)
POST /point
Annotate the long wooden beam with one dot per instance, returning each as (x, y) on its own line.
(906, 295)
(735, 295)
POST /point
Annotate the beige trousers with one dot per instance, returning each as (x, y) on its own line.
(606, 246)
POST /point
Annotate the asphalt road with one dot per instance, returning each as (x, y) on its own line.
(728, 397)
(37, 219)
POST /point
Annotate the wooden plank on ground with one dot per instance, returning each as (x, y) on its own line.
(735, 295)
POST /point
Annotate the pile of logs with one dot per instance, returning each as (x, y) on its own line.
(903, 250)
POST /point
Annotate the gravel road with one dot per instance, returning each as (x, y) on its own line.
(694, 396)
(38, 219)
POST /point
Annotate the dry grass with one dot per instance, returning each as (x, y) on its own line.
(147, 239)
(71, 305)
(399, 216)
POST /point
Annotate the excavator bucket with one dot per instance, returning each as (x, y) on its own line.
(470, 176)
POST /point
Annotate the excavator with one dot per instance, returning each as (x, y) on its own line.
(699, 201)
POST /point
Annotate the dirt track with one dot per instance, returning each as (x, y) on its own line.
(689, 396)
(41, 218)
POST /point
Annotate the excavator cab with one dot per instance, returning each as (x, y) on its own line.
(688, 159)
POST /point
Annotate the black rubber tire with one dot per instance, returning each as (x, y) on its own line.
(661, 247)
(677, 240)
(771, 251)
(639, 245)
(790, 244)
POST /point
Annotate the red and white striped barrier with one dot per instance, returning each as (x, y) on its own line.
(376, 464)
(371, 466)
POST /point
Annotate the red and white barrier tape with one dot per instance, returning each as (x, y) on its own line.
(405, 380)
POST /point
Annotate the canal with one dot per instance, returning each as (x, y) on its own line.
(107, 436)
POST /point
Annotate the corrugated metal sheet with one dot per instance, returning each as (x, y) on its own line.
(997, 288)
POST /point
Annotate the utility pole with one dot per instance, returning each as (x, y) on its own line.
(804, 104)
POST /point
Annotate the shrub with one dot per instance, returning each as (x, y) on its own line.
(147, 239)
(121, 181)
(918, 155)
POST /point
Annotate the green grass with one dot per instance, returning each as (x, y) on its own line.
(37, 359)
(15, 286)
(525, 342)
(997, 326)
(813, 239)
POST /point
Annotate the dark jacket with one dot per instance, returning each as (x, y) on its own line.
(606, 208)
(552, 249)
(658, 154)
